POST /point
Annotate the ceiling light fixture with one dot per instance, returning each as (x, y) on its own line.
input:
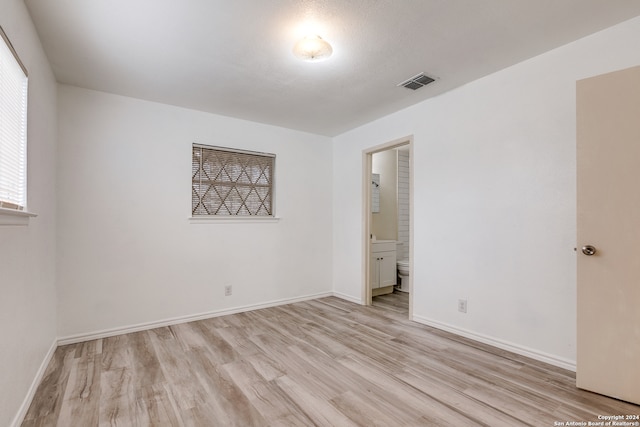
(312, 48)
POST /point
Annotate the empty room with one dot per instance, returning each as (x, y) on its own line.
(319, 213)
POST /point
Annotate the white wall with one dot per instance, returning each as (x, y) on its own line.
(27, 253)
(494, 165)
(384, 224)
(404, 205)
(127, 251)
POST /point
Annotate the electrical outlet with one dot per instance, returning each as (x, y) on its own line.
(228, 290)
(462, 305)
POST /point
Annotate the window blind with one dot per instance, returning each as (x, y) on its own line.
(13, 128)
(227, 182)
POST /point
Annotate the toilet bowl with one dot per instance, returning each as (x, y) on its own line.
(403, 274)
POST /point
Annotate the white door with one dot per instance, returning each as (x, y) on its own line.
(608, 170)
(374, 271)
(388, 269)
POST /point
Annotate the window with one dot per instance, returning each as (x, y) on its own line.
(13, 128)
(228, 182)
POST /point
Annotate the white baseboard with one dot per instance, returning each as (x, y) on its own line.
(347, 297)
(505, 345)
(22, 412)
(73, 339)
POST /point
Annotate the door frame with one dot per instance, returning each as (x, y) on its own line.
(367, 162)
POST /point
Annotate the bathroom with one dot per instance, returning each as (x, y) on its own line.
(390, 219)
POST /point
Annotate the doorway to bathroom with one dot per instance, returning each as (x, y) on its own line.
(388, 225)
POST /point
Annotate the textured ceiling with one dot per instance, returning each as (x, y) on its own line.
(234, 57)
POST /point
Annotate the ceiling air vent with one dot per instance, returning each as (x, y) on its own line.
(416, 82)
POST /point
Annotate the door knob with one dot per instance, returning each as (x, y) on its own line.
(588, 250)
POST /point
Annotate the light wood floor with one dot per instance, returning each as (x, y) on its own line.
(396, 301)
(325, 362)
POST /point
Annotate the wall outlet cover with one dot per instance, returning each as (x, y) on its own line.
(462, 305)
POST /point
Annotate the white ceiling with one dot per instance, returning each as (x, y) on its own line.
(233, 57)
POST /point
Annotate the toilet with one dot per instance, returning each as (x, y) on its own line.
(403, 275)
(403, 269)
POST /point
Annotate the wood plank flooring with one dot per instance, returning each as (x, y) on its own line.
(397, 301)
(326, 362)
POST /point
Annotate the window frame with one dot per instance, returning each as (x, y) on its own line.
(213, 218)
(14, 213)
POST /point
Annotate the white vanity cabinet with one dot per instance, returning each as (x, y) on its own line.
(382, 274)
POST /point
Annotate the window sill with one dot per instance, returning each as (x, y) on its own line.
(230, 220)
(14, 217)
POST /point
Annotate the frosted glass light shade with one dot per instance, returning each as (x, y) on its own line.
(312, 48)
